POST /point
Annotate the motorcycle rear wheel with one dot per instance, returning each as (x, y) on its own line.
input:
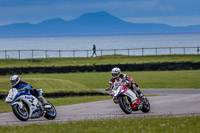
(21, 114)
(123, 103)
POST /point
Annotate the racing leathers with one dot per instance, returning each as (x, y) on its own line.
(132, 85)
(22, 85)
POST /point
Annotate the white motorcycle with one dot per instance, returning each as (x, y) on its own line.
(25, 106)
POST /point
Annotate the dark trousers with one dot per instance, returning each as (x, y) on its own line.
(94, 53)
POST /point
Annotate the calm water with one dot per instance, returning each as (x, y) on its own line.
(102, 42)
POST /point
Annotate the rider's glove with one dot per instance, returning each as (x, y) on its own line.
(109, 92)
(24, 89)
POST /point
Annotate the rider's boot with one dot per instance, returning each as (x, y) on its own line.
(137, 89)
(42, 100)
(115, 100)
(140, 94)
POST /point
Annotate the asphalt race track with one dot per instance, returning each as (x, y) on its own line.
(170, 102)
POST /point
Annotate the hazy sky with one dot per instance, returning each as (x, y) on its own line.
(171, 12)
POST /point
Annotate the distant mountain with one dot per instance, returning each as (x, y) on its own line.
(100, 23)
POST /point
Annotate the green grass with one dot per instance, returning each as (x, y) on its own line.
(4, 107)
(97, 61)
(89, 80)
(146, 79)
(130, 125)
(48, 85)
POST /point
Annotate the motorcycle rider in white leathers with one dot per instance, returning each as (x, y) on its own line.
(22, 85)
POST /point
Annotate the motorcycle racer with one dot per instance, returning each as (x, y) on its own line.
(117, 75)
(22, 85)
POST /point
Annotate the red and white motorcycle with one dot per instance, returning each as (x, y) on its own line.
(127, 98)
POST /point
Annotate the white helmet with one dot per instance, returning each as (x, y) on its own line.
(14, 80)
(115, 72)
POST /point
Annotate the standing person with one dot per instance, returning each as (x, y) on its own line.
(94, 50)
(198, 50)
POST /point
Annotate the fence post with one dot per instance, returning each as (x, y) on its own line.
(101, 53)
(87, 54)
(156, 51)
(73, 53)
(5, 54)
(32, 53)
(46, 54)
(115, 53)
(19, 54)
(128, 52)
(184, 50)
(59, 53)
(142, 51)
(170, 51)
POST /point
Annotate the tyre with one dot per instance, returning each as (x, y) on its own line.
(146, 106)
(125, 104)
(21, 114)
(51, 112)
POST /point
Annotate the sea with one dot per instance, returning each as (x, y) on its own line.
(81, 46)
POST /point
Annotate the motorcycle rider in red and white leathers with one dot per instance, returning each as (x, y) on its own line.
(117, 75)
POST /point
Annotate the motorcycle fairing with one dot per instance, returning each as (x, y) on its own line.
(24, 96)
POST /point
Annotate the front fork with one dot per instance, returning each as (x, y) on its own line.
(20, 103)
(23, 107)
(127, 101)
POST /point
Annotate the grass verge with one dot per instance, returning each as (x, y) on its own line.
(146, 79)
(104, 60)
(131, 125)
(49, 85)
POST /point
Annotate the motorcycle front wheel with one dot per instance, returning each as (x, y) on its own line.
(125, 104)
(51, 112)
(146, 106)
(21, 114)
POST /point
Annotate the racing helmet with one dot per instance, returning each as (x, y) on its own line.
(115, 72)
(14, 80)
